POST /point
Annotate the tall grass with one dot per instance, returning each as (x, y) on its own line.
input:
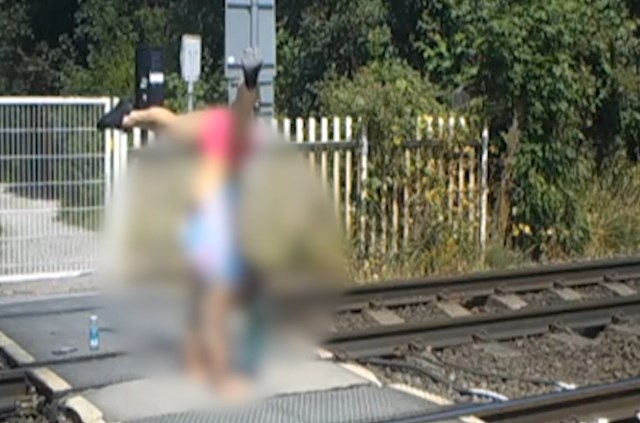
(612, 204)
(610, 200)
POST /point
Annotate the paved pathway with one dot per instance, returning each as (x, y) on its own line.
(34, 240)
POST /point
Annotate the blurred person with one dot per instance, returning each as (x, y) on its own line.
(260, 225)
(223, 139)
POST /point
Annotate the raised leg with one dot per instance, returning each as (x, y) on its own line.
(248, 93)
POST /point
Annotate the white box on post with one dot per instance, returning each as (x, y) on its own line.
(191, 63)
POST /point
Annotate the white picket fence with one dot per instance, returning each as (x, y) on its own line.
(50, 233)
(345, 160)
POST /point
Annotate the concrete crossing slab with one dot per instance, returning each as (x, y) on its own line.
(121, 384)
(173, 394)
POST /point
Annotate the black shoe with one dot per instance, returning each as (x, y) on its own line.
(113, 119)
(251, 66)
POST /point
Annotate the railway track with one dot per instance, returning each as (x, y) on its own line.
(394, 339)
(614, 402)
(391, 334)
(19, 398)
(604, 294)
(418, 301)
(399, 293)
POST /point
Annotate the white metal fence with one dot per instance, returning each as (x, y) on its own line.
(383, 190)
(53, 184)
(57, 175)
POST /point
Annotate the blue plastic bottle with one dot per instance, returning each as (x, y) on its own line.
(94, 334)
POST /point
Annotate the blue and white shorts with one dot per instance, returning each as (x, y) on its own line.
(211, 240)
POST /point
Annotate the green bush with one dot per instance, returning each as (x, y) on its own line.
(388, 97)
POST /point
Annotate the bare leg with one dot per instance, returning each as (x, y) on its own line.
(218, 305)
(194, 349)
(248, 93)
(195, 359)
(244, 107)
(215, 316)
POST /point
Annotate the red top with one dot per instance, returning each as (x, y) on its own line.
(218, 135)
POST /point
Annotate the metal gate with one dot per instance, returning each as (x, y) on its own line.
(55, 181)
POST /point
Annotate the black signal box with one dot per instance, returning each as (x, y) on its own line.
(150, 77)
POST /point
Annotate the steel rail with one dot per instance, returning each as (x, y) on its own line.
(14, 391)
(442, 333)
(12, 382)
(615, 401)
(394, 293)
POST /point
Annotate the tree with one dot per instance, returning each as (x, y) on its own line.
(107, 34)
(559, 65)
(319, 39)
(16, 36)
(105, 38)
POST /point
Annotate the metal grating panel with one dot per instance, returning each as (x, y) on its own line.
(356, 404)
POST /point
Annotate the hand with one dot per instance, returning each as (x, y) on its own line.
(128, 121)
(153, 118)
(143, 119)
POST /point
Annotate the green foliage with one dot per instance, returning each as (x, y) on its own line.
(110, 31)
(498, 257)
(211, 90)
(106, 34)
(388, 95)
(561, 66)
(25, 62)
(566, 69)
(318, 40)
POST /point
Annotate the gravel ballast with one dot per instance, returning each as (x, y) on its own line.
(611, 355)
(420, 313)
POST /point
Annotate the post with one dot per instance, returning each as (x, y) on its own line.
(108, 148)
(124, 155)
(116, 157)
(149, 79)
(190, 96)
(484, 189)
(336, 167)
(364, 158)
(190, 63)
(348, 176)
(254, 24)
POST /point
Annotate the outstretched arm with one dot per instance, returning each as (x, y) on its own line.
(188, 126)
(184, 127)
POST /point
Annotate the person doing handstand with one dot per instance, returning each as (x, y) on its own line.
(223, 137)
